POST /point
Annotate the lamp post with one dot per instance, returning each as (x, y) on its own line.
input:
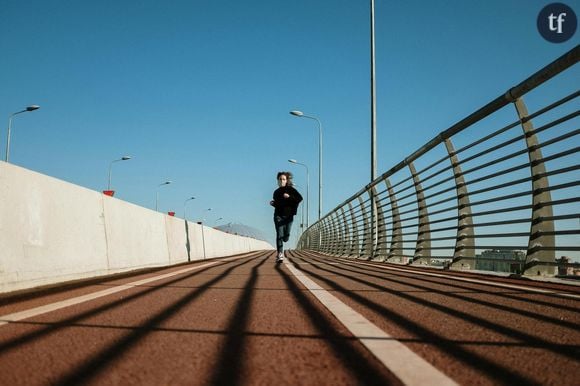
(202, 235)
(302, 115)
(185, 206)
(307, 190)
(157, 195)
(29, 108)
(124, 158)
(373, 98)
(207, 210)
(374, 222)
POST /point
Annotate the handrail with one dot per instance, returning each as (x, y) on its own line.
(557, 66)
(347, 230)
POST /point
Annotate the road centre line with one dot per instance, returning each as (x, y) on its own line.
(16, 316)
(410, 368)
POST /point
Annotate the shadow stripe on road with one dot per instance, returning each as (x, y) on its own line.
(92, 367)
(409, 367)
(571, 293)
(275, 335)
(475, 361)
(423, 289)
(347, 349)
(26, 338)
(531, 340)
(228, 369)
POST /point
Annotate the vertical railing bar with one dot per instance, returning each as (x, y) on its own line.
(381, 233)
(540, 200)
(355, 239)
(464, 254)
(396, 234)
(421, 257)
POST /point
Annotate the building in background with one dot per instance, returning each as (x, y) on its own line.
(500, 260)
(566, 267)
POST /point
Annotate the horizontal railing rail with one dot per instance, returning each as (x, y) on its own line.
(505, 200)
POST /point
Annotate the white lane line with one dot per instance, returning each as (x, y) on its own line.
(466, 279)
(16, 316)
(410, 368)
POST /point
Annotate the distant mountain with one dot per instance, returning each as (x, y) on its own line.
(244, 230)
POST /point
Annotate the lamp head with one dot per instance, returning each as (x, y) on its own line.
(292, 161)
(32, 107)
(125, 158)
(297, 113)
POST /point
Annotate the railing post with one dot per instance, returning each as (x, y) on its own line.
(312, 238)
(365, 230)
(372, 238)
(354, 245)
(381, 231)
(464, 255)
(396, 233)
(367, 243)
(542, 230)
(307, 242)
(318, 239)
(345, 235)
(337, 234)
(325, 236)
(423, 246)
(322, 236)
(334, 236)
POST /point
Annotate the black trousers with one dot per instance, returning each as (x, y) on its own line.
(283, 226)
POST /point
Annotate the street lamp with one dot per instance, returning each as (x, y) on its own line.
(374, 223)
(125, 158)
(185, 206)
(202, 235)
(157, 195)
(307, 190)
(29, 108)
(373, 98)
(207, 210)
(300, 114)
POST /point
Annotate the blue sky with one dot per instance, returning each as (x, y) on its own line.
(198, 92)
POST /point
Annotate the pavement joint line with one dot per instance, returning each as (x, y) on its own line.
(409, 367)
(477, 281)
(16, 316)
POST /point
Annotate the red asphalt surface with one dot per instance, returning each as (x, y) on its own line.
(249, 321)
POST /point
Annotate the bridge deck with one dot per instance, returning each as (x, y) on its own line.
(245, 320)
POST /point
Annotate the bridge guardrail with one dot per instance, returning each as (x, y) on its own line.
(497, 191)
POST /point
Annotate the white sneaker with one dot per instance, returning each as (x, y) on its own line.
(280, 257)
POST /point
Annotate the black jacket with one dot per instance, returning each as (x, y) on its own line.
(286, 206)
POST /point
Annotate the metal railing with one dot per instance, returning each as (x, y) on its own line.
(497, 191)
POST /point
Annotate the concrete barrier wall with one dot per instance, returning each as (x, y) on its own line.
(52, 231)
